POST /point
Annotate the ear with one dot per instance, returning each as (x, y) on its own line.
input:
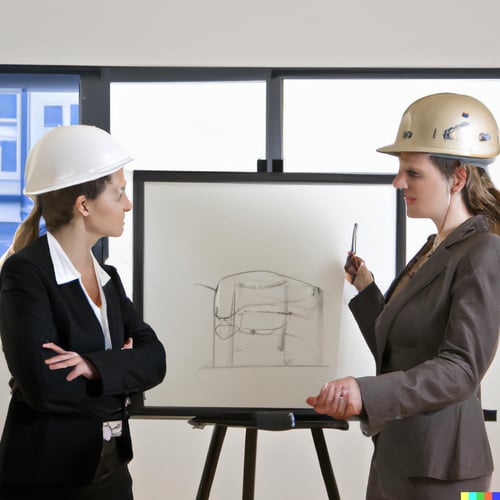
(459, 180)
(81, 205)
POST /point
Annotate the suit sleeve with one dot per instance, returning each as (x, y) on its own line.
(365, 307)
(465, 352)
(26, 322)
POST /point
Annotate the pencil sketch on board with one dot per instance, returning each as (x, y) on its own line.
(262, 318)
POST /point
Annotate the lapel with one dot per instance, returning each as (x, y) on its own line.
(427, 273)
(80, 305)
(112, 307)
(38, 252)
(71, 292)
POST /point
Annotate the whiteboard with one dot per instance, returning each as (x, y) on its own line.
(241, 276)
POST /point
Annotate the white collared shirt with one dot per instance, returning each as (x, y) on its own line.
(65, 272)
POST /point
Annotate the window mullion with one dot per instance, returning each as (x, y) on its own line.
(274, 120)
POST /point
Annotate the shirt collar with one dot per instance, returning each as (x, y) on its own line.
(64, 269)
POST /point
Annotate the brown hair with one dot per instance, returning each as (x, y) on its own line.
(56, 207)
(480, 195)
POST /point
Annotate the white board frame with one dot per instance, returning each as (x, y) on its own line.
(196, 230)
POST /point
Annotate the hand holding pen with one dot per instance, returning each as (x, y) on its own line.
(356, 272)
(353, 262)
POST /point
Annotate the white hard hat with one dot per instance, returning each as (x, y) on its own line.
(71, 155)
(449, 125)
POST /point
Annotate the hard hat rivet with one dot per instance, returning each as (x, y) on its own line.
(484, 137)
(407, 134)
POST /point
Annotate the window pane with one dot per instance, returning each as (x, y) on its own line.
(336, 125)
(52, 116)
(74, 114)
(8, 156)
(8, 106)
(29, 106)
(191, 126)
(199, 126)
(49, 109)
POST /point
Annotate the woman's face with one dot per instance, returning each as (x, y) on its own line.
(107, 211)
(425, 188)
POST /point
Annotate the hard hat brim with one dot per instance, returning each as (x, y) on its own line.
(395, 150)
(85, 177)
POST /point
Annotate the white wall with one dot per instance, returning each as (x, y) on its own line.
(280, 33)
(283, 33)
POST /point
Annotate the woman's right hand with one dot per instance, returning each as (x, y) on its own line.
(356, 272)
(69, 359)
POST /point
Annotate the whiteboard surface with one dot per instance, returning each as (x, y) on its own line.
(278, 242)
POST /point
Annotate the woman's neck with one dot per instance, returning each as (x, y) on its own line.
(76, 246)
(78, 249)
(456, 215)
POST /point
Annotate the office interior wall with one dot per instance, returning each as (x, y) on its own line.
(286, 33)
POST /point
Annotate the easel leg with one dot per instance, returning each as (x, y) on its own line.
(325, 463)
(249, 466)
(214, 450)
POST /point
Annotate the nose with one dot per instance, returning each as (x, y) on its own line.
(399, 182)
(128, 203)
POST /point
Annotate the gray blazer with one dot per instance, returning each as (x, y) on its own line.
(432, 343)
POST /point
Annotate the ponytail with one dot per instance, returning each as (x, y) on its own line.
(29, 229)
(481, 196)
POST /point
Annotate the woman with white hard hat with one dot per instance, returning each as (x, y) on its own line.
(434, 333)
(74, 344)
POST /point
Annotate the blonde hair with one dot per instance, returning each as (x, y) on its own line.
(480, 195)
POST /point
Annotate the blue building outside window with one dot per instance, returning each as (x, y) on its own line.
(52, 116)
(9, 156)
(8, 106)
(30, 105)
(74, 117)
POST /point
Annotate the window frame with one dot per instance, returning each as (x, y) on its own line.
(94, 106)
(95, 85)
(14, 122)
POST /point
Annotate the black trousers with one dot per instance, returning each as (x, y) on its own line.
(112, 481)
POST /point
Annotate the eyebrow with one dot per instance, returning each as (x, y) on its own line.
(411, 167)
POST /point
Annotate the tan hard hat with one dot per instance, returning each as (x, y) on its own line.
(450, 125)
(70, 155)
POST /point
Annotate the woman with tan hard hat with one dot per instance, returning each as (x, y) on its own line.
(434, 333)
(74, 344)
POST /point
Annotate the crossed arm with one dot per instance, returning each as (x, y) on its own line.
(81, 366)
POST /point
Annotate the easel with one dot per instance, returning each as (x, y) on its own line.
(271, 421)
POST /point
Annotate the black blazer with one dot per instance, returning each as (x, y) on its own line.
(53, 429)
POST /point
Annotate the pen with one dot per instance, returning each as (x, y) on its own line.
(354, 238)
(351, 264)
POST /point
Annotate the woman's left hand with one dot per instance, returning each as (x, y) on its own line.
(128, 344)
(67, 359)
(340, 399)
